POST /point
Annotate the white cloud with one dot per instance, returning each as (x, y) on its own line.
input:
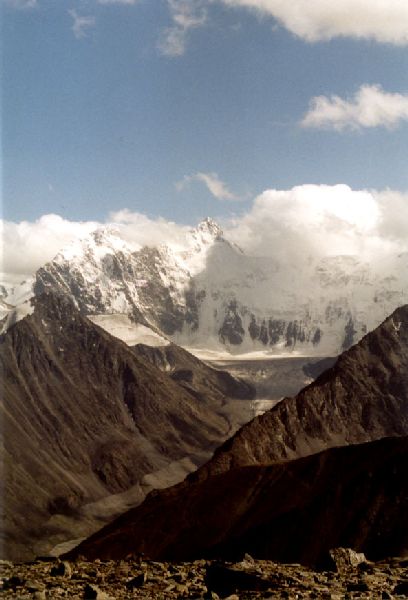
(81, 24)
(140, 230)
(185, 15)
(321, 220)
(371, 106)
(314, 20)
(213, 183)
(28, 245)
(290, 226)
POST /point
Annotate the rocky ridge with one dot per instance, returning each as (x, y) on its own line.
(362, 397)
(294, 511)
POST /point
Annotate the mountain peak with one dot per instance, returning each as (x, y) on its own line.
(101, 234)
(210, 226)
(103, 240)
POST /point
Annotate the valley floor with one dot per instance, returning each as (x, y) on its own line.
(103, 580)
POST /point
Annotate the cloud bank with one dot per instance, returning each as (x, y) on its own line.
(313, 221)
(28, 245)
(304, 223)
(213, 183)
(316, 20)
(371, 106)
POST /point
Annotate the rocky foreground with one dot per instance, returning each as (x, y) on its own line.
(349, 575)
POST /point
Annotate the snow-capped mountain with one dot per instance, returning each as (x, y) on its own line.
(206, 293)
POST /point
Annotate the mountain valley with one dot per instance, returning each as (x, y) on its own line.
(312, 473)
(130, 370)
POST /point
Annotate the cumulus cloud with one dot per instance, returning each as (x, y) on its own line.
(140, 230)
(314, 20)
(81, 24)
(28, 245)
(185, 15)
(291, 226)
(311, 221)
(370, 106)
(213, 183)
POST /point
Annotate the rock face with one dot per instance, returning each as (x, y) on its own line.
(296, 511)
(363, 397)
(275, 511)
(205, 292)
(84, 417)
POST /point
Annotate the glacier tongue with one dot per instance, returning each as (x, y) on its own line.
(207, 294)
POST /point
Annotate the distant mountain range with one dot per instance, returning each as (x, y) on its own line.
(312, 473)
(206, 293)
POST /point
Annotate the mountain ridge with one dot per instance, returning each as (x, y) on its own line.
(204, 291)
(338, 427)
(292, 512)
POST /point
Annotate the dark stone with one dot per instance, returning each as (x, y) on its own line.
(62, 569)
(358, 586)
(349, 333)
(225, 581)
(13, 582)
(317, 336)
(92, 592)
(253, 329)
(276, 329)
(402, 588)
(232, 330)
(137, 581)
(263, 335)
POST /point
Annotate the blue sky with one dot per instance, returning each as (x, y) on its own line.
(113, 105)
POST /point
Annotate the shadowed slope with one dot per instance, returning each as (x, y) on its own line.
(284, 510)
(84, 417)
(363, 397)
(354, 496)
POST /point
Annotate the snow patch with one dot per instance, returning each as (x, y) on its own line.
(121, 327)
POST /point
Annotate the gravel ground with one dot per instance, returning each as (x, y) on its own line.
(139, 579)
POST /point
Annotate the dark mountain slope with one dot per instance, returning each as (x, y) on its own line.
(83, 417)
(363, 397)
(193, 374)
(355, 496)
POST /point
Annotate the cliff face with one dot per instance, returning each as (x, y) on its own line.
(354, 496)
(83, 417)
